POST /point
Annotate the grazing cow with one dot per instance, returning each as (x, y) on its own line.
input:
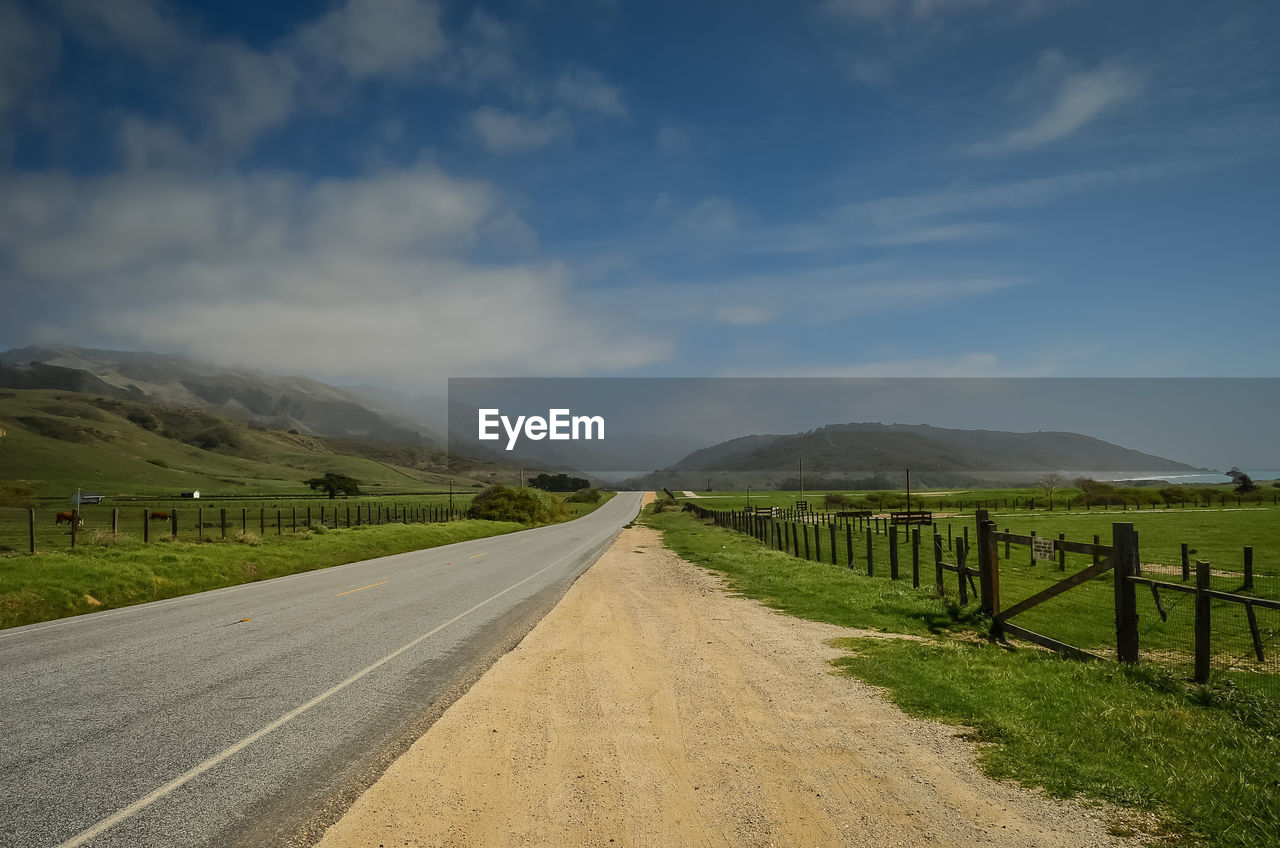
(67, 518)
(159, 516)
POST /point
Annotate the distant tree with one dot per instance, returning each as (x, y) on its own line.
(559, 483)
(1243, 482)
(17, 494)
(335, 484)
(1048, 483)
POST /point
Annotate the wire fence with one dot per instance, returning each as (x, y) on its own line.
(1200, 622)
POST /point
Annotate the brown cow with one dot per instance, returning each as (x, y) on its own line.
(67, 518)
(159, 516)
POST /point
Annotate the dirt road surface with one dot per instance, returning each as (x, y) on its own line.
(651, 708)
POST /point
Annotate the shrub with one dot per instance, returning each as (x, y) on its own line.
(19, 494)
(524, 505)
(835, 500)
(585, 496)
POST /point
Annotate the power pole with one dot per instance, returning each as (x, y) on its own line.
(802, 477)
(450, 494)
(522, 478)
(908, 490)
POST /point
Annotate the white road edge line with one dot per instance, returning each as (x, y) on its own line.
(114, 819)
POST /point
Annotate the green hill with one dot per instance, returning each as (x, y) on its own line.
(60, 441)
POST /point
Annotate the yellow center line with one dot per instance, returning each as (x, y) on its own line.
(361, 589)
(473, 556)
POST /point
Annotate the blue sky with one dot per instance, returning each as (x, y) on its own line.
(395, 191)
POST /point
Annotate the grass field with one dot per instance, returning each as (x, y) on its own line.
(1204, 759)
(107, 570)
(1084, 617)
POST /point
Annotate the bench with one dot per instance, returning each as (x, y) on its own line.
(900, 518)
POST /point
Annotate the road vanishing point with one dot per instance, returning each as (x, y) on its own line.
(254, 715)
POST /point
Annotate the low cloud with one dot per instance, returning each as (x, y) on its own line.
(586, 91)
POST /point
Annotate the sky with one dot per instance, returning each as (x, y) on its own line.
(398, 191)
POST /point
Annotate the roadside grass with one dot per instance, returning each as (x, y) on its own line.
(105, 576)
(1205, 760)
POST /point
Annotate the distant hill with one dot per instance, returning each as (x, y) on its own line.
(59, 441)
(284, 403)
(850, 452)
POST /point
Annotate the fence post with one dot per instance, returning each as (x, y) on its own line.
(893, 553)
(804, 528)
(222, 521)
(115, 520)
(988, 573)
(1202, 622)
(173, 524)
(962, 570)
(262, 521)
(31, 529)
(1062, 554)
(200, 524)
(937, 563)
(146, 526)
(1248, 566)
(833, 543)
(870, 553)
(1186, 564)
(75, 524)
(244, 520)
(817, 542)
(1126, 554)
(848, 541)
(795, 540)
(915, 557)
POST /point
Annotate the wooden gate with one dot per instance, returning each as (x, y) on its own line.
(1120, 557)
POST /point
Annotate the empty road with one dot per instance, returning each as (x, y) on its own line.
(252, 715)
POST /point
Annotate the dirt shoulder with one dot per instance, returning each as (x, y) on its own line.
(652, 708)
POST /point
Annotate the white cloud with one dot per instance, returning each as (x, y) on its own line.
(149, 145)
(29, 52)
(712, 218)
(886, 11)
(268, 269)
(375, 38)
(587, 91)
(1079, 99)
(501, 131)
(145, 27)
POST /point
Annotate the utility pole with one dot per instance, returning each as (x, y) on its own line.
(908, 490)
(802, 477)
(450, 494)
(522, 478)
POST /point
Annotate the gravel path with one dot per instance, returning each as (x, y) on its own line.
(651, 708)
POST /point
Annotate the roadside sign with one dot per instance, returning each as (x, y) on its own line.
(1041, 547)
(802, 506)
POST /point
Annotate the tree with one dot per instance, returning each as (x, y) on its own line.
(1048, 483)
(335, 484)
(1243, 482)
(559, 483)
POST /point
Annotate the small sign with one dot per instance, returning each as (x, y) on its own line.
(1041, 547)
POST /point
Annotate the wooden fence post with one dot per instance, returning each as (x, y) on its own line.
(244, 520)
(1126, 597)
(848, 541)
(200, 524)
(892, 554)
(962, 569)
(915, 557)
(833, 543)
(1248, 567)
(222, 521)
(31, 529)
(1186, 564)
(75, 524)
(871, 567)
(262, 521)
(173, 524)
(804, 528)
(1062, 554)
(1202, 621)
(988, 573)
(115, 521)
(817, 542)
(146, 527)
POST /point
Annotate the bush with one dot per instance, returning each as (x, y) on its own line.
(835, 500)
(18, 494)
(524, 505)
(584, 496)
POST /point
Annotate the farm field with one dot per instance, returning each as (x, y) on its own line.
(1084, 616)
(1135, 736)
(108, 570)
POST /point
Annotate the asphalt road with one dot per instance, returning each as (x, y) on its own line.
(176, 723)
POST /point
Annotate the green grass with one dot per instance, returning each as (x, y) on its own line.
(1207, 761)
(60, 441)
(54, 585)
